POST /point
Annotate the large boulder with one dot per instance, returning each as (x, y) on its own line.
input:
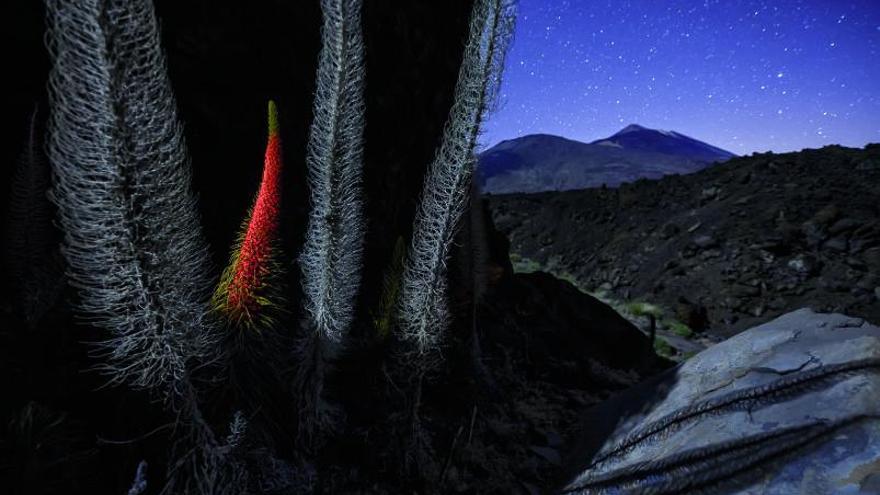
(791, 406)
(555, 331)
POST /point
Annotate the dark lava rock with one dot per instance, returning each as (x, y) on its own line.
(843, 225)
(696, 316)
(871, 258)
(806, 264)
(559, 324)
(856, 264)
(814, 233)
(669, 230)
(743, 290)
(837, 244)
(869, 165)
(705, 241)
(778, 244)
(709, 194)
(834, 283)
(671, 264)
(710, 254)
(814, 198)
(827, 215)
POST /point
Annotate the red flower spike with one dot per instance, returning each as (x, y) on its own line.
(244, 295)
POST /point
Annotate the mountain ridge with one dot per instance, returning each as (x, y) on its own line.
(546, 162)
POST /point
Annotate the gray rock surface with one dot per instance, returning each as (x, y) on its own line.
(790, 406)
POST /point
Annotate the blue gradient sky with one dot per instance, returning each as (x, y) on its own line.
(744, 75)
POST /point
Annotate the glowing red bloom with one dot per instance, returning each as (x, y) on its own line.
(244, 290)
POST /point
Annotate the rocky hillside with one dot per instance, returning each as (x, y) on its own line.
(720, 250)
(542, 162)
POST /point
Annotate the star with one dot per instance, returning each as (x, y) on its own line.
(731, 73)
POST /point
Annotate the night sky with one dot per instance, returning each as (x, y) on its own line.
(744, 75)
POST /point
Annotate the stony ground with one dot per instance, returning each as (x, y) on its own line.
(713, 253)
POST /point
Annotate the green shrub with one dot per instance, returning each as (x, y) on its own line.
(639, 308)
(680, 329)
(663, 348)
(568, 277)
(524, 265)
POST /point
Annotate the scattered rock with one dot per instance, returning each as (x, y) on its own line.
(856, 264)
(732, 302)
(696, 316)
(766, 256)
(705, 241)
(709, 194)
(814, 233)
(606, 258)
(833, 284)
(871, 258)
(805, 264)
(669, 230)
(743, 290)
(869, 230)
(869, 165)
(777, 303)
(710, 254)
(843, 225)
(869, 281)
(837, 244)
(858, 245)
(730, 319)
(827, 215)
(786, 286)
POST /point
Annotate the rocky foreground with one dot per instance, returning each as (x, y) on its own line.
(718, 251)
(790, 406)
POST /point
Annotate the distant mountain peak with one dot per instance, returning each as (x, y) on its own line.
(541, 162)
(638, 137)
(632, 128)
(640, 128)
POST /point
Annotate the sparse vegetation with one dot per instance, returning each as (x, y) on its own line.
(639, 308)
(524, 265)
(663, 348)
(689, 354)
(568, 277)
(680, 329)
